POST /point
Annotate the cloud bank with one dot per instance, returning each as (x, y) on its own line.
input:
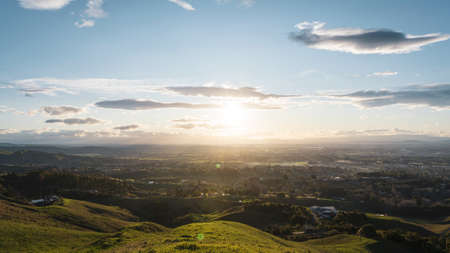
(188, 120)
(436, 96)
(127, 127)
(134, 104)
(244, 92)
(362, 41)
(377, 132)
(53, 86)
(44, 4)
(74, 121)
(189, 126)
(61, 110)
(51, 136)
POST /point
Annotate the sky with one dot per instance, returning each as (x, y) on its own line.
(221, 71)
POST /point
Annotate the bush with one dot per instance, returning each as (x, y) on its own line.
(368, 231)
(392, 235)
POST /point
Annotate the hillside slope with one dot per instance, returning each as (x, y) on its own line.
(79, 226)
(73, 214)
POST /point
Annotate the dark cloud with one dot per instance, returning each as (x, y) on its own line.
(127, 127)
(437, 96)
(75, 121)
(244, 92)
(133, 104)
(360, 41)
(61, 110)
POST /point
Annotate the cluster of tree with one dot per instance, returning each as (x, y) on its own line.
(275, 218)
(358, 223)
(41, 183)
(428, 244)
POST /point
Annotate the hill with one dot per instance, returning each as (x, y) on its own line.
(80, 226)
(436, 226)
(72, 214)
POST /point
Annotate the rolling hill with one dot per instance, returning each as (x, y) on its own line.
(80, 226)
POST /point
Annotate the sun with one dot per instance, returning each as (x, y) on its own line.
(233, 114)
(234, 117)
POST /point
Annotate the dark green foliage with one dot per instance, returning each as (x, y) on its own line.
(346, 222)
(351, 217)
(368, 231)
(429, 244)
(40, 183)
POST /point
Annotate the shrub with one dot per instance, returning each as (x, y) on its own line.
(367, 230)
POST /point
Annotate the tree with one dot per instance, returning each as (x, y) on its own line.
(368, 231)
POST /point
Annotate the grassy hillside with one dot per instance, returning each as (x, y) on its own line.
(79, 226)
(438, 226)
(20, 237)
(73, 214)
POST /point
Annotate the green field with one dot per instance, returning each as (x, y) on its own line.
(79, 226)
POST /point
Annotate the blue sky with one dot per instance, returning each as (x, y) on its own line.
(349, 68)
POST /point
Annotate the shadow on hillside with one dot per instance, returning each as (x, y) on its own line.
(395, 224)
(388, 246)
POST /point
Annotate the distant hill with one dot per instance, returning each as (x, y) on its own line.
(30, 157)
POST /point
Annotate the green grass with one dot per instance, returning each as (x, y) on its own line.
(79, 226)
(72, 214)
(355, 244)
(89, 215)
(19, 237)
(341, 244)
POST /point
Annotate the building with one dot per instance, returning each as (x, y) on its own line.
(47, 200)
(324, 212)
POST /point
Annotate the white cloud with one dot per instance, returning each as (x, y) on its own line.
(183, 4)
(44, 4)
(53, 136)
(248, 3)
(7, 109)
(189, 126)
(95, 9)
(378, 132)
(52, 86)
(384, 74)
(244, 3)
(189, 120)
(362, 41)
(85, 23)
